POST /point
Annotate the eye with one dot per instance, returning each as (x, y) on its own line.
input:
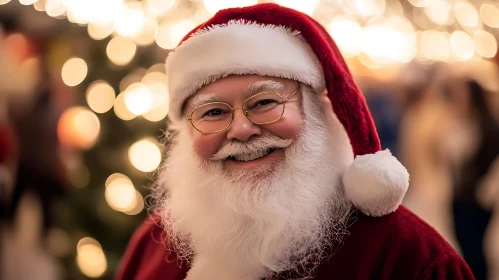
(265, 102)
(214, 112)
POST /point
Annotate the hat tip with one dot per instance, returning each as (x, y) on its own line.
(376, 183)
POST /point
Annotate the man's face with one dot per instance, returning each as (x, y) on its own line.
(234, 90)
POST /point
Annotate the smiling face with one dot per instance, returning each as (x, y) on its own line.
(234, 91)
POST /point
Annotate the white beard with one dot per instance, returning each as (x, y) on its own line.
(231, 227)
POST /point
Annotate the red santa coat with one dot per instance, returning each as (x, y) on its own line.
(396, 246)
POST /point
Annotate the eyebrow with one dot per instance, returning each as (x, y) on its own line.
(253, 88)
(261, 86)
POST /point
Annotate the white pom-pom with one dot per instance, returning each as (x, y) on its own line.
(376, 183)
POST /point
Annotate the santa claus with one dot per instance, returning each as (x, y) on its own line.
(274, 168)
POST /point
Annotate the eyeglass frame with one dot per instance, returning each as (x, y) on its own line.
(189, 117)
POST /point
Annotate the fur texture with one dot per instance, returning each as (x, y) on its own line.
(376, 183)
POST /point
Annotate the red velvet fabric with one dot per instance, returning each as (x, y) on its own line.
(348, 101)
(396, 246)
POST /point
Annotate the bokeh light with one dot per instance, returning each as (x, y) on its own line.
(121, 50)
(55, 8)
(78, 127)
(120, 194)
(147, 35)
(348, 34)
(100, 96)
(419, 3)
(98, 31)
(138, 98)
(74, 71)
(90, 258)
(434, 45)
(485, 43)
(145, 155)
(439, 11)
(466, 14)
(131, 20)
(39, 6)
(490, 15)
(306, 7)
(169, 34)
(27, 2)
(462, 45)
(120, 108)
(214, 6)
(136, 207)
(3, 2)
(370, 7)
(159, 7)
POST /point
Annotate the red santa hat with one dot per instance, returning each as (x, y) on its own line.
(270, 40)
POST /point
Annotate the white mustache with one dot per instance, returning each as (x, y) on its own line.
(262, 143)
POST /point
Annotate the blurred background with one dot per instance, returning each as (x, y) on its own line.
(84, 103)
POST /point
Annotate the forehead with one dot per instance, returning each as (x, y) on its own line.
(236, 88)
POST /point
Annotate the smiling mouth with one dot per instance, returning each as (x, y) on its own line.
(253, 156)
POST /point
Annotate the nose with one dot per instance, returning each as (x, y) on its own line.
(242, 128)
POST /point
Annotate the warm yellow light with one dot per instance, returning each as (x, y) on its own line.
(98, 31)
(78, 127)
(74, 71)
(120, 50)
(116, 176)
(434, 45)
(55, 8)
(146, 36)
(419, 3)
(490, 15)
(306, 7)
(170, 34)
(138, 98)
(485, 44)
(462, 45)
(120, 194)
(156, 82)
(159, 7)
(3, 2)
(214, 6)
(100, 96)
(39, 6)
(90, 258)
(27, 2)
(370, 7)
(145, 155)
(121, 110)
(466, 14)
(347, 33)
(131, 20)
(389, 44)
(438, 11)
(137, 207)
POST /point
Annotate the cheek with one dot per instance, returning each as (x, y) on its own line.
(289, 126)
(207, 145)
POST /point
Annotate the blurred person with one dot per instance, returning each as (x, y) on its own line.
(423, 142)
(25, 215)
(476, 182)
(275, 168)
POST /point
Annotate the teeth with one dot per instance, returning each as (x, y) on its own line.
(253, 156)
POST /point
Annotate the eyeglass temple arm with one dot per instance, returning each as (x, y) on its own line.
(285, 100)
